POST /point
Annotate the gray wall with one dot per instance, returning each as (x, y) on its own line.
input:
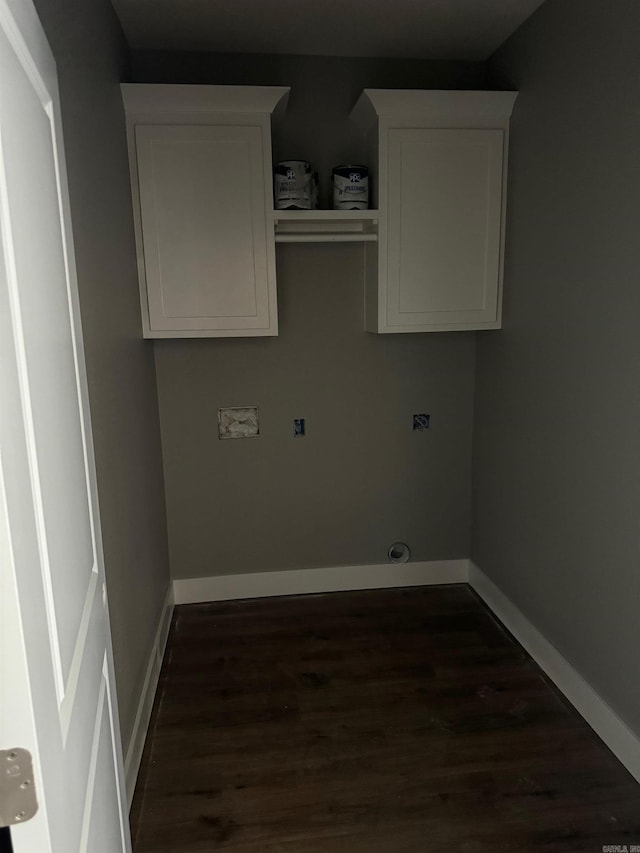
(361, 478)
(556, 461)
(90, 54)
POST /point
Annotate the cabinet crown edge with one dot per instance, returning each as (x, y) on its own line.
(178, 98)
(441, 105)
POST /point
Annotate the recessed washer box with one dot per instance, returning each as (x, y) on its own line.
(238, 422)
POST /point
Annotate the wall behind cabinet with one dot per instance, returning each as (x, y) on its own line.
(361, 478)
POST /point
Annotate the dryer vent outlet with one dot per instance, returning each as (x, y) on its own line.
(399, 552)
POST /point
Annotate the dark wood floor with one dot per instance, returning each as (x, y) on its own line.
(393, 721)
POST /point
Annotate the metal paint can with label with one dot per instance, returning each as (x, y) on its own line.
(350, 188)
(292, 185)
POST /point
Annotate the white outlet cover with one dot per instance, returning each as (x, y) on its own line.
(238, 422)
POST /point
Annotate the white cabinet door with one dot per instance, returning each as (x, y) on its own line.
(443, 228)
(441, 160)
(208, 252)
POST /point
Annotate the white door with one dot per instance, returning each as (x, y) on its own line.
(56, 674)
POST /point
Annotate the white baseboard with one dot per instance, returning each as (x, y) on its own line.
(147, 695)
(624, 744)
(306, 581)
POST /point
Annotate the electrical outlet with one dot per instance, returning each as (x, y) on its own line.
(421, 422)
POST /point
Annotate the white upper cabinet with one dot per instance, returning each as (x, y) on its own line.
(440, 165)
(200, 159)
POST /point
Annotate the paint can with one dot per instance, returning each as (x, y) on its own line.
(350, 188)
(293, 185)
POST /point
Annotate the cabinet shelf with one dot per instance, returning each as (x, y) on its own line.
(201, 165)
(325, 226)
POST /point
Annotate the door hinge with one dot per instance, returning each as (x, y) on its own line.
(18, 801)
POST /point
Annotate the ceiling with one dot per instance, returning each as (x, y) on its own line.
(418, 29)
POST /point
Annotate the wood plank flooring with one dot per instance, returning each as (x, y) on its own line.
(395, 721)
